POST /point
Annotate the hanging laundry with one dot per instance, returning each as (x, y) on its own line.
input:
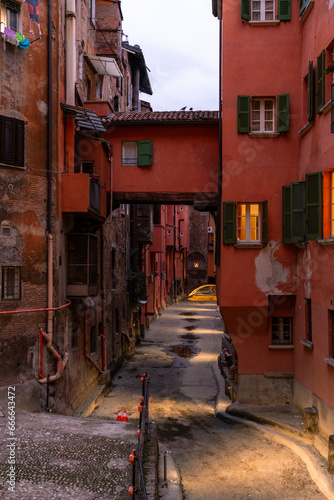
(19, 37)
(9, 33)
(25, 44)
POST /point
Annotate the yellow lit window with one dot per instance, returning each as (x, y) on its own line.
(248, 220)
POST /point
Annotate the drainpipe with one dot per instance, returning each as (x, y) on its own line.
(220, 153)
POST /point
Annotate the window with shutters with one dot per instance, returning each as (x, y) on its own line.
(137, 153)
(263, 116)
(245, 223)
(281, 330)
(302, 209)
(11, 283)
(11, 141)
(266, 11)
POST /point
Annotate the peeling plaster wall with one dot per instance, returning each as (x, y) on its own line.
(270, 273)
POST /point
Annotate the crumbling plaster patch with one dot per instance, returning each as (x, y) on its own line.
(304, 272)
(269, 272)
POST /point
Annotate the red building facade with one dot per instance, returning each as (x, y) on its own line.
(276, 274)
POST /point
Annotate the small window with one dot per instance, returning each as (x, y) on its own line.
(137, 153)
(308, 320)
(331, 333)
(11, 141)
(281, 330)
(11, 283)
(248, 222)
(10, 12)
(87, 167)
(6, 231)
(263, 10)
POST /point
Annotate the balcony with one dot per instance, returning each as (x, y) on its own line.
(159, 239)
(80, 193)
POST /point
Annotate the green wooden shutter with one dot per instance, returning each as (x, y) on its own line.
(245, 10)
(264, 222)
(145, 153)
(286, 214)
(284, 10)
(314, 206)
(243, 114)
(19, 143)
(321, 80)
(297, 212)
(283, 113)
(310, 92)
(229, 226)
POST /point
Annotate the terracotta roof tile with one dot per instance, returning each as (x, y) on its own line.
(160, 117)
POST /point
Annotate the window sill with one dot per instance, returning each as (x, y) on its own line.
(329, 241)
(277, 347)
(326, 107)
(329, 361)
(307, 344)
(12, 166)
(264, 134)
(248, 245)
(306, 12)
(275, 22)
(305, 129)
(10, 40)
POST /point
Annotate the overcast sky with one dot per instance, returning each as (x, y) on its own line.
(179, 40)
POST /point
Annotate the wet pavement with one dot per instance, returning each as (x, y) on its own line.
(225, 457)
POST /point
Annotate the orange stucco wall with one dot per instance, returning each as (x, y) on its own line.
(185, 159)
(265, 61)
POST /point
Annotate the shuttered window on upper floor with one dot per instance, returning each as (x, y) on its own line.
(11, 141)
(321, 61)
(302, 209)
(265, 10)
(257, 114)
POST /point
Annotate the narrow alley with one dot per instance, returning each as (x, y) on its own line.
(214, 459)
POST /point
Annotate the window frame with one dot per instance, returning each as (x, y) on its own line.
(331, 333)
(6, 8)
(144, 153)
(263, 11)
(230, 228)
(15, 284)
(308, 313)
(262, 121)
(248, 228)
(280, 331)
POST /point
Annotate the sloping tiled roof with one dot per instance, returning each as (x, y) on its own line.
(143, 117)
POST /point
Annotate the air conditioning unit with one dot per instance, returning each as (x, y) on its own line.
(163, 275)
(210, 229)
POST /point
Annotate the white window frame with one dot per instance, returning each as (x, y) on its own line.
(263, 120)
(130, 158)
(332, 204)
(263, 11)
(248, 224)
(10, 289)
